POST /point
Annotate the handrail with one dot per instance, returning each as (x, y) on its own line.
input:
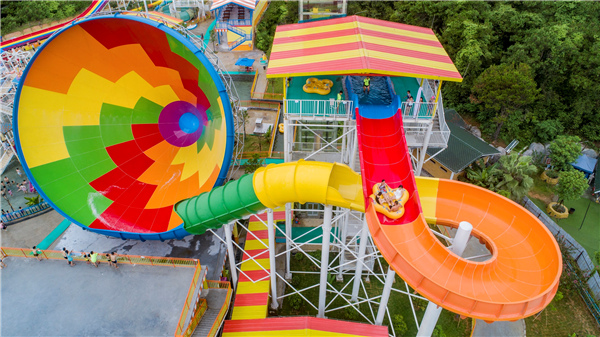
(220, 317)
(22, 213)
(319, 108)
(253, 84)
(201, 307)
(188, 304)
(127, 259)
(274, 131)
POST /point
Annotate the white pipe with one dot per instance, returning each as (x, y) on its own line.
(231, 254)
(385, 296)
(362, 247)
(424, 149)
(343, 234)
(288, 244)
(433, 311)
(273, 271)
(324, 259)
(354, 149)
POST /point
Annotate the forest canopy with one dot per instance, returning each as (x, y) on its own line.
(22, 14)
(556, 43)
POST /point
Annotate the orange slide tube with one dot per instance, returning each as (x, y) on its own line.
(519, 279)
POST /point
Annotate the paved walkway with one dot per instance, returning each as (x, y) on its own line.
(49, 298)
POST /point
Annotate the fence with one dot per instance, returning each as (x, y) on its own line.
(25, 212)
(198, 308)
(221, 316)
(126, 259)
(319, 108)
(579, 255)
(260, 104)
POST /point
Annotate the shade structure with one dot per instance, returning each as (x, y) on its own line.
(117, 119)
(359, 45)
(585, 164)
(244, 62)
(250, 4)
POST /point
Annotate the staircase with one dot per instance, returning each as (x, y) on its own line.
(243, 37)
(215, 298)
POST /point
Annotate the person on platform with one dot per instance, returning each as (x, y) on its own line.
(367, 84)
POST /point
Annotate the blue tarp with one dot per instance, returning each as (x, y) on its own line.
(585, 164)
(244, 62)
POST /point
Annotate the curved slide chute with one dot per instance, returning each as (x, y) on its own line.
(520, 278)
(94, 7)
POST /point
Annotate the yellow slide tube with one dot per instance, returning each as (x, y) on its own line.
(307, 181)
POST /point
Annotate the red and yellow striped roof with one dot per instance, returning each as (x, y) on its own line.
(359, 45)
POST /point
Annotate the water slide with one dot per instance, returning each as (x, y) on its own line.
(138, 148)
(95, 7)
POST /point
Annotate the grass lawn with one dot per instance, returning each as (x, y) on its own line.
(589, 234)
(541, 189)
(398, 303)
(254, 143)
(563, 318)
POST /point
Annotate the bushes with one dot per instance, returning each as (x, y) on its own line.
(278, 13)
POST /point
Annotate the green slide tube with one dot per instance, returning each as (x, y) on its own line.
(221, 205)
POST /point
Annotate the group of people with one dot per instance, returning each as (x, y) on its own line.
(388, 199)
(89, 258)
(26, 187)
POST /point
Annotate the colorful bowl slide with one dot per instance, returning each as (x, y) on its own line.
(126, 129)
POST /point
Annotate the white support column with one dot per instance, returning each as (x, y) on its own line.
(385, 296)
(432, 313)
(343, 223)
(288, 244)
(362, 247)
(145, 6)
(324, 259)
(273, 271)
(424, 149)
(288, 134)
(231, 253)
(344, 151)
(354, 151)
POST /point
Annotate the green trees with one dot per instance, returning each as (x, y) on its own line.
(571, 186)
(504, 89)
(253, 164)
(510, 177)
(278, 13)
(16, 14)
(558, 40)
(517, 172)
(563, 151)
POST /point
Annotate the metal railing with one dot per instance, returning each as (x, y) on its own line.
(274, 131)
(418, 110)
(318, 108)
(25, 212)
(260, 104)
(126, 259)
(221, 316)
(182, 329)
(222, 23)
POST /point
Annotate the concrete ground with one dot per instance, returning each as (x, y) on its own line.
(269, 117)
(206, 247)
(29, 233)
(43, 298)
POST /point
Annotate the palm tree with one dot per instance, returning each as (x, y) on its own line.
(517, 175)
(482, 175)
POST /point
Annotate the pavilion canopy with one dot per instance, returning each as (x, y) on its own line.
(250, 4)
(359, 45)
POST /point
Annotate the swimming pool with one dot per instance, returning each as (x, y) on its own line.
(379, 93)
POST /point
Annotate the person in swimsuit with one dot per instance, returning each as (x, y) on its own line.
(113, 259)
(94, 258)
(396, 207)
(70, 258)
(367, 84)
(36, 252)
(108, 260)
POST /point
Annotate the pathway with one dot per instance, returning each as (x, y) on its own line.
(214, 300)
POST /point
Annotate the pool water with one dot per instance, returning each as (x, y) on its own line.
(243, 89)
(379, 93)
